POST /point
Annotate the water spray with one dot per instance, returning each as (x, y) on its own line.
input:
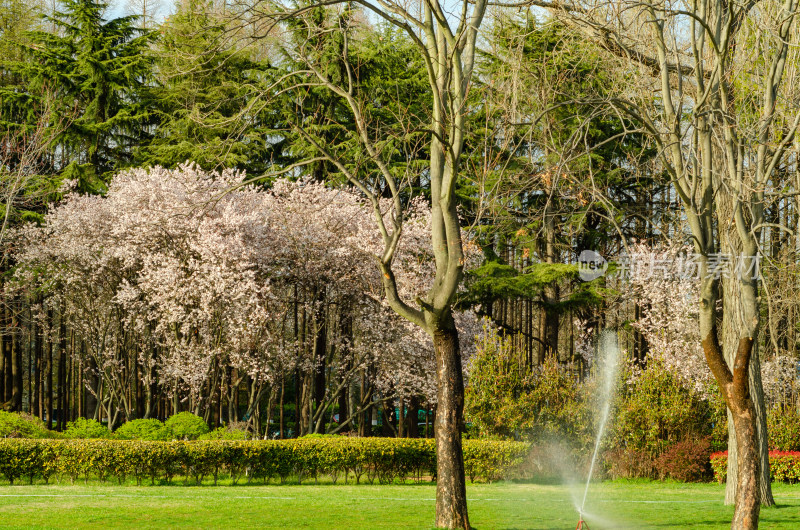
(610, 353)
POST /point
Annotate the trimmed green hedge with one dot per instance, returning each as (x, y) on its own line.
(382, 459)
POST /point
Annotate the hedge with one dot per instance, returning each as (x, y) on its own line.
(784, 466)
(382, 459)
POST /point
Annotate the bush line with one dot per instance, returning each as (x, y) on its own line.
(784, 466)
(382, 459)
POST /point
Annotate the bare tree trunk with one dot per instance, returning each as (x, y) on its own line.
(320, 346)
(49, 374)
(305, 404)
(401, 420)
(733, 384)
(283, 389)
(37, 378)
(365, 416)
(551, 295)
(5, 361)
(451, 491)
(746, 514)
(734, 320)
(61, 396)
(344, 412)
(730, 341)
(92, 403)
(16, 363)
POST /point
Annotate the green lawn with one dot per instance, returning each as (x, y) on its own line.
(503, 505)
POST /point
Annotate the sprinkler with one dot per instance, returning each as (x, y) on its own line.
(581, 523)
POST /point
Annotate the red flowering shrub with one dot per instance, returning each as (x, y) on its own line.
(719, 465)
(784, 466)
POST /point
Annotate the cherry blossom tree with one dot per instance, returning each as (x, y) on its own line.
(193, 282)
(661, 278)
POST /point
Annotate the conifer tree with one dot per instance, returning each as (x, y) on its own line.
(95, 70)
(201, 105)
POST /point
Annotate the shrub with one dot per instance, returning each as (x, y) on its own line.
(784, 466)
(630, 463)
(142, 429)
(185, 426)
(16, 425)
(686, 461)
(656, 411)
(784, 429)
(719, 465)
(382, 459)
(501, 400)
(83, 428)
(227, 432)
(491, 460)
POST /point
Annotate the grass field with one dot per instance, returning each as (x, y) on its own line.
(503, 505)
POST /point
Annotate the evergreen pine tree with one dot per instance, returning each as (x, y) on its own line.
(95, 70)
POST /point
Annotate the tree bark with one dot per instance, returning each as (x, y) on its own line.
(305, 404)
(365, 416)
(732, 319)
(61, 396)
(16, 363)
(37, 376)
(5, 362)
(343, 410)
(49, 374)
(734, 386)
(451, 492)
(550, 294)
(283, 390)
(320, 346)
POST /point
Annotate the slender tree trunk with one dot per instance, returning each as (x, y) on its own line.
(305, 405)
(5, 362)
(37, 375)
(346, 333)
(320, 346)
(91, 402)
(61, 399)
(30, 356)
(551, 295)
(49, 386)
(352, 404)
(16, 363)
(283, 389)
(365, 416)
(49, 373)
(401, 419)
(451, 492)
(343, 410)
(297, 400)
